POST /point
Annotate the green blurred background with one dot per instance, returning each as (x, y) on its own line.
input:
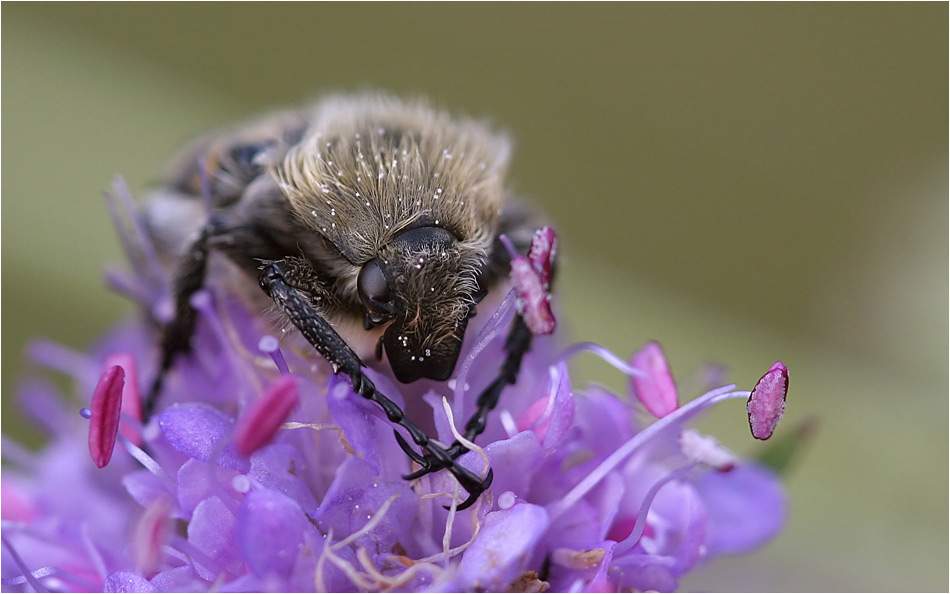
(742, 182)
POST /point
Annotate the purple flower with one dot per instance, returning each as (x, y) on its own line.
(262, 471)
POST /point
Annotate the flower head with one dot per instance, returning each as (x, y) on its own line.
(261, 470)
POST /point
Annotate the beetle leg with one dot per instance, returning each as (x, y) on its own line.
(517, 344)
(331, 345)
(176, 335)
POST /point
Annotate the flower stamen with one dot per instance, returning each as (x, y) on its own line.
(706, 451)
(130, 426)
(24, 570)
(533, 298)
(638, 527)
(104, 419)
(656, 389)
(767, 401)
(604, 353)
(150, 535)
(270, 345)
(260, 421)
(680, 415)
(149, 463)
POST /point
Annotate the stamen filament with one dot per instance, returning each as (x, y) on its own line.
(644, 509)
(27, 574)
(149, 463)
(679, 416)
(602, 352)
(270, 345)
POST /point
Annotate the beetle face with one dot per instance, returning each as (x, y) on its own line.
(410, 358)
(422, 285)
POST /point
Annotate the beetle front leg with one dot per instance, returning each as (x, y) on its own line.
(318, 332)
(532, 276)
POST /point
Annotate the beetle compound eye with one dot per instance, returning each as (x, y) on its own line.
(374, 291)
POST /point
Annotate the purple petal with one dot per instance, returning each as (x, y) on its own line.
(179, 579)
(514, 462)
(280, 467)
(503, 547)
(270, 532)
(552, 416)
(584, 527)
(657, 390)
(104, 423)
(259, 422)
(18, 504)
(366, 430)
(45, 406)
(605, 420)
(745, 508)
(198, 481)
(647, 573)
(144, 486)
(356, 495)
(197, 430)
(767, 402)
(356, 420)
(675, 519)
(212, 531)
(127, 581)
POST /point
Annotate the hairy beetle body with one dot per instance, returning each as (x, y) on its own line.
(373, 224)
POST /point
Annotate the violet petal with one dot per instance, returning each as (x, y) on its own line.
(355, 496)
(551, 416)
(745, 508)
(199, 480)
(280, 467)
(647, 573)
(356, 419)
(127, 581)
(179, 579)
(212, 531)
(514, 462)
(143, 486)
(197, 430)
(270, 532)
(503, 547)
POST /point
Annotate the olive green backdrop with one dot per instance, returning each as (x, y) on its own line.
(742, 182)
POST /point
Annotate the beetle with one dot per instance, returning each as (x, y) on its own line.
(375, 225)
